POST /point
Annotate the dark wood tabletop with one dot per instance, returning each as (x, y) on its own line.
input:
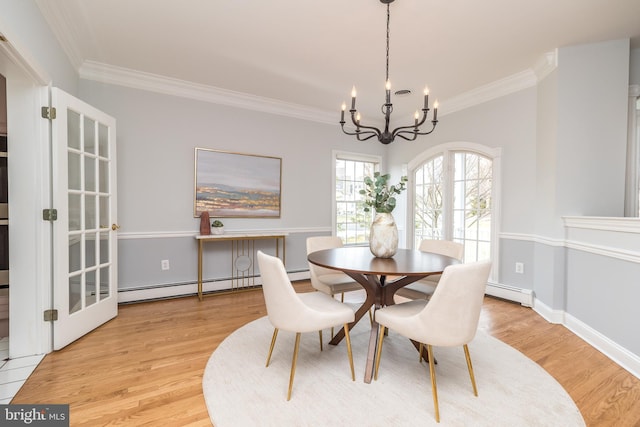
(360, 260)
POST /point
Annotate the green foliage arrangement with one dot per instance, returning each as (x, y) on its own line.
(378, 195)
(217, 223)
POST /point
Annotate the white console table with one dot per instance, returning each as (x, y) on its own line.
(242, 256)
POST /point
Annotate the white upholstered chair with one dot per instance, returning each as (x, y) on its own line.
(331, 282)
(299, 312)
(450, 318)
(424, 288)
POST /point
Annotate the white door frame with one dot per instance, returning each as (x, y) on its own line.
(29, 173)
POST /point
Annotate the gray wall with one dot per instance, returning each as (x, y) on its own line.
(157, 135)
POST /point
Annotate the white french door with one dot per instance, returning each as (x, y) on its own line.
(85, 232)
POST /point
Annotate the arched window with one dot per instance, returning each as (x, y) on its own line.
(454, 197)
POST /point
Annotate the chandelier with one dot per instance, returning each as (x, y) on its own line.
(410, 133)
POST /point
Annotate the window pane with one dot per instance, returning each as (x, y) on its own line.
(75, 301)
(352, 223)
(74, 182)
(90, 212)
(103, 140)
(428, 201)
(104, 282)
(90, 288)
(89, 136)
(73, 129)
(90, 173)
(467, 218)
(75, 207)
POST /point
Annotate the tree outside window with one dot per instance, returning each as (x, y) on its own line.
(454, 203)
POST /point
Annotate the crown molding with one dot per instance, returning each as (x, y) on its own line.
(546, 64)
(499, 88)
(105, 73)
(111, 74)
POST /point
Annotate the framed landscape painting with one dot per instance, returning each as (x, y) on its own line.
(236, 185)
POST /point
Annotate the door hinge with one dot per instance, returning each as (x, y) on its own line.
(50, 315)
(48, 113)
(49, 214)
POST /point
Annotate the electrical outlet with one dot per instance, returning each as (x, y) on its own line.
(164, 264)
(519, 268)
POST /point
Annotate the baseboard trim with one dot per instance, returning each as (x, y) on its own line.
(523, 296)
(612, 350)
(618, 354)
(549, 314)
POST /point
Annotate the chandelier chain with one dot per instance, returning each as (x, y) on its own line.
(388, 18)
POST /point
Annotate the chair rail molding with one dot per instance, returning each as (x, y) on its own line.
(192, 233)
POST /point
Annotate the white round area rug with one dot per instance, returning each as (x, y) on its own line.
(512, 389)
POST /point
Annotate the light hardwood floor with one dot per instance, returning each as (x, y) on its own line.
(145, 366)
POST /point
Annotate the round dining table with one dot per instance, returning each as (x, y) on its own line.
(380, 278)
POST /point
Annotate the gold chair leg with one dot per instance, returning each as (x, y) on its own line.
(342, 297)
(434, 389)
(379, 352)
(273, 343)
(349, 352)
(473, 379)
(320, 333)
(293, 364)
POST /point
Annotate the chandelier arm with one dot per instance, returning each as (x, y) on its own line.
(372, 129)
(357, 132)
(358, 126)
(403, 129)
(418, 132)
(359, 136)
(348, 133)
(405, 138)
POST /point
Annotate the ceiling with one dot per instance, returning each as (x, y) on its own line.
(310, 53)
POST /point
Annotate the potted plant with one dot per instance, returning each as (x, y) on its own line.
(217, 227)
(378, 195)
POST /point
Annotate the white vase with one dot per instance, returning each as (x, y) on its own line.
(383, 237)
(217, 230)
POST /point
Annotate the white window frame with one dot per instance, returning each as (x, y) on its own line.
(345, 155)
(632, 185)
(448, 150)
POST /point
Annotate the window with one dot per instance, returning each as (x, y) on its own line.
(632, 179)
(351, 222)
(453, 199)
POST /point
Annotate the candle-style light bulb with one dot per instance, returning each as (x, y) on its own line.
(426, 98)
(387, 86)
(435, 110)
(344, 107)
(416, 116)
(353, 98)
(358, 118)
